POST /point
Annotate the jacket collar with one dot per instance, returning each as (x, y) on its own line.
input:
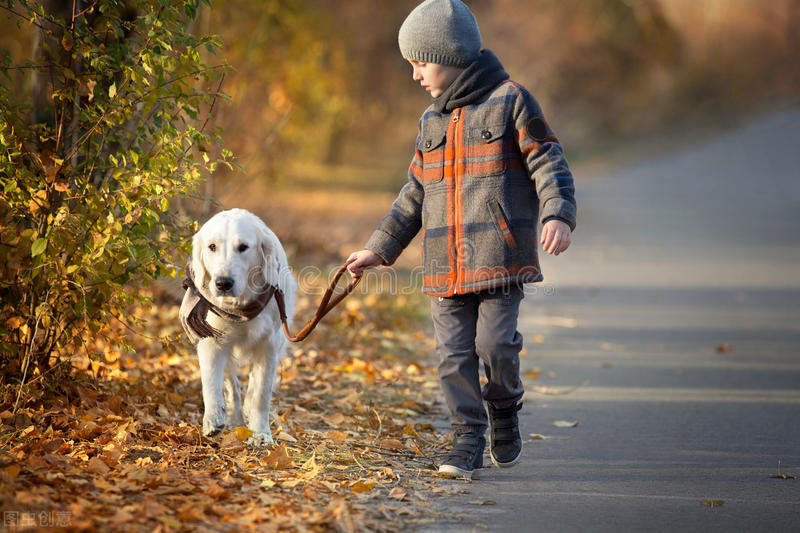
(476, 81)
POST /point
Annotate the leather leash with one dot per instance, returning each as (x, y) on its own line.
(325, 306)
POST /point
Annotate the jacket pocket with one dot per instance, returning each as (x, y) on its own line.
(489, 150)
(432, 144)
(501, 221)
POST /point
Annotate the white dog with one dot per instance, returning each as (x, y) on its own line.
(235, 256)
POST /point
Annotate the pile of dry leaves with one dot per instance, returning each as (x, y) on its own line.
(119, 446)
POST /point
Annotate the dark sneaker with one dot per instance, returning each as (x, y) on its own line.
(506, 447)
(466, 456)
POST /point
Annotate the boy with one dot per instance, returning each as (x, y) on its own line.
(485, 161)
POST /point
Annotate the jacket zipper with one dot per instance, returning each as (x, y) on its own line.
(457, 176)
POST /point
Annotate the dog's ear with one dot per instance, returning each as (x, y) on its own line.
(198, 268)
(269, 263)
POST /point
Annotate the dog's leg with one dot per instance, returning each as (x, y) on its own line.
(259, 394)
(233, 395)
(213, 360)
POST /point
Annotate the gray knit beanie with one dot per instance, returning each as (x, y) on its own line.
(441, 31)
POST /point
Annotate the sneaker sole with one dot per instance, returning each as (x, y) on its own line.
(508, 464)
(451, 472)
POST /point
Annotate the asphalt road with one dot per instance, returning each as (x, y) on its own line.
(676, 314)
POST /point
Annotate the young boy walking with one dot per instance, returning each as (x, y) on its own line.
(486, 169)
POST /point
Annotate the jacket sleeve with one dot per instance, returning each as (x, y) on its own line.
(399, 227)
(545, 161)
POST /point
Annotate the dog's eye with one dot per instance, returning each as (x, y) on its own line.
(243, 247)
(212, 247)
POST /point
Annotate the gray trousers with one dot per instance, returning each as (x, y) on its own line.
(478, 328)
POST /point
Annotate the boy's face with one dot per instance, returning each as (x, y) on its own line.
(434, 78)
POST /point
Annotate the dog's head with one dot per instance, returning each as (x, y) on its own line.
(235, 255)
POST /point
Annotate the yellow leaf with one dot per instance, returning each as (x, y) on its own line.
(15, 322)
(533, 374)
(361, 487)
(243, 433)
(312, 467)
(311, 463)
(713, 503)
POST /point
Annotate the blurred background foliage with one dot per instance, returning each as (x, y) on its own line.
(322, 81)
(319, 86)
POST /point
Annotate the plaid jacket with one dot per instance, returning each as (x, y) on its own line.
(481, 179)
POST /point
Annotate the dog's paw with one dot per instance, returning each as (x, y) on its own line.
(212, 426)
(259, 440)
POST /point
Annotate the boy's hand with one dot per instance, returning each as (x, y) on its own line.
(361, 260)
(556, 236)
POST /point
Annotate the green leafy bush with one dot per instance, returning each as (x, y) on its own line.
(86, 185)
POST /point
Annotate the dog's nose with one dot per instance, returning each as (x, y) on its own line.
(224, 284)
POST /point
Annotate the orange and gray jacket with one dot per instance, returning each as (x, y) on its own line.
(482, 176)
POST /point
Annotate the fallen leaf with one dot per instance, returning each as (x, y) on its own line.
(122, 516)
(723, 348)
(482, 502)
(361, 487)
(105, 486)
(243, 433)
(713, 503)
(97, 466)
(392, 444)
(398, 494)
(190, 513)
(336, 419)
(278, 458)
(533, 374)
(565, 424)
(536, 436)
(152, 508)
(313, 469)
(337, 437)
(557, 391)
(12, 470)
(230, 439)
(285, 436)
(216, 492)
(779, 475)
